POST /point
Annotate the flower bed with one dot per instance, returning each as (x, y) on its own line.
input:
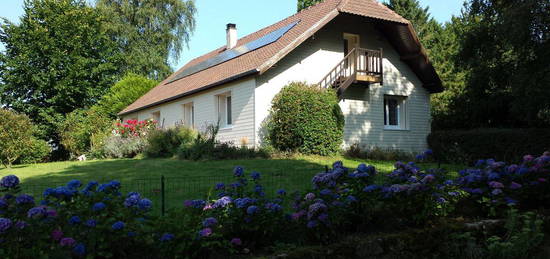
(97, 220)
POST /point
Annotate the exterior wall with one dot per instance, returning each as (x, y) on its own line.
(242, 95)
(362, 106)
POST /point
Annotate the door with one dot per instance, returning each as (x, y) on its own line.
(351, 41)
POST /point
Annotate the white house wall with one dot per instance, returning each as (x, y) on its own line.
(242, 98)
(362, 106)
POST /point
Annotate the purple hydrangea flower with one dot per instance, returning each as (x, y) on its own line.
(371, 188)
(51, 213)
(3, 203)
(222, 202)
(495, 184)
(325, 192)
(310, 196)
(57, 234)
(5, 224)
(323, 217)
(21, 224)
(496, 191)
(9, 181)
(298, 215)
(37, 212)
(208, 222)
(273, 207)
(515, 186)
(312, 223)
(67, 241)
(205, 232)
(236, 241)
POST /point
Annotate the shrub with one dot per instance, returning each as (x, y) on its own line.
(306, 119)
(83, 131)
(120, 147)
(17, 141)
(378, 153)
(501, 144)
(166, 142)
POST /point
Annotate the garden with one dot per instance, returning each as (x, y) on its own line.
(491, 210)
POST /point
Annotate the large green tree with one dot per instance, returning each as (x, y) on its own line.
(505, 48)
(56, 59)
(149, 32)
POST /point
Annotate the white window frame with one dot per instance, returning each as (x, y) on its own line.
(224, 103)
(189, 122)
(401, 112)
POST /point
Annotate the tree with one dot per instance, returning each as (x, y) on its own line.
(83, 131)
(505, 47)
(303, 4)
(57, 59)
(16, 137)
(123, 93)
(149, 32)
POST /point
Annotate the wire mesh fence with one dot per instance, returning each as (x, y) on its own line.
(171, 192)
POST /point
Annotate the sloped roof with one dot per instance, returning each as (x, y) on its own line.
(260, 60)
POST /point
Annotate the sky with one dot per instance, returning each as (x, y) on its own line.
(249, 15)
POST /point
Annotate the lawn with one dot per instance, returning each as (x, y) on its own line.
(184, 179)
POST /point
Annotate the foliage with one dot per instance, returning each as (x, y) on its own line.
(17, 141)
(377, 153)
(123, 93)
(303, 4)
(165, 142)
(502, 144)
(83, 131)
(523, 235)
(306, 119)
(149, 32)
(206, 147)
(57, 58)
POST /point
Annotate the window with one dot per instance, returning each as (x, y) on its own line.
(394, 112)
(225, 116)
(189, 115)
(156, 117)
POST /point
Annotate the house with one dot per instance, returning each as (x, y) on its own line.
(370, 54)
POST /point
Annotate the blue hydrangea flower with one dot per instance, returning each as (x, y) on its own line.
(37, 212)
(208, 222)
(281, 192)
(91, 223)
(325, 192)
(255, 175)
(222, 202)
(99, 206)
(238, 171)
(21, 224)
(3, 203)
(5, 224)
(252, 209)
(351, 198)
(74, 184)
(243, 202)
(9, 181)
(24, 199)
(80, 249)
(220, 186)
(118, 225)
(312, 223)
(48, 192)
(428, 152)
(133, 194)
(75, 220)
(166, 237)
(145, 204)
(371, 188)
(273, 207)
(114, 184)
(131, 234)
(131, 201)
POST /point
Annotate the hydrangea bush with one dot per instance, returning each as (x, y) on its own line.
(97, 220)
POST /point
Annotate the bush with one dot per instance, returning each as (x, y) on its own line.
(83, 131)
(206, 147)
(502, 144)
(121, 147)
(377, 153)
(17, 141)
(306, 119)
(166, 142)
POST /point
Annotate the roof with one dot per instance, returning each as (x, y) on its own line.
(310, 20)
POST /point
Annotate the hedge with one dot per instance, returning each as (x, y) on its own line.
(464, 146)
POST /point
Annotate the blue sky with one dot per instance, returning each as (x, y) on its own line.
(249, 15)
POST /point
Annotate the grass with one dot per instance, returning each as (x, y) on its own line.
(184, 179)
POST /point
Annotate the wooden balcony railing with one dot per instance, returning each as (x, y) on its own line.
(359, 65)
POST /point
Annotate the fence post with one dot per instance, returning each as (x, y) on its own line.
(326, 168)
(162, 191)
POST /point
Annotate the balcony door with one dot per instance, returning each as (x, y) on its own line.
(351, 41)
